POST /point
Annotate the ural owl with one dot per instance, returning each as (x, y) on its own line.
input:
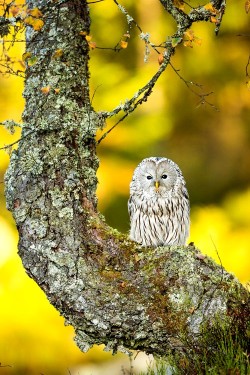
(158, 204)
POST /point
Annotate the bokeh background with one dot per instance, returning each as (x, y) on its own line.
(210, 142)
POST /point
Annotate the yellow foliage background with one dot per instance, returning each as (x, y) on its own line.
(211, 146)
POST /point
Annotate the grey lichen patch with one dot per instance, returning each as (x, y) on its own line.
(66, 212)
(10, 177)
(59, 199)
(180, 299)
(21, 212)
(32, 161)
(83, 341)
(59, 275)
(57, 154)
(62, 258)
(38, 227)
(217, 304)
(13, 197)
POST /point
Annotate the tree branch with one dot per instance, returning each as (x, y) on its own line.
(184, 22)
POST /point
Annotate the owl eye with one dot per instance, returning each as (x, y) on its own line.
(164, 176)
(149, 177)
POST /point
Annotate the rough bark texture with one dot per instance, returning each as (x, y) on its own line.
(111, 290)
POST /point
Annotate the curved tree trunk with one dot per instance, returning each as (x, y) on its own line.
(110, 289)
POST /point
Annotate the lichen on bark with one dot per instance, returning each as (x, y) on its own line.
(110, 289)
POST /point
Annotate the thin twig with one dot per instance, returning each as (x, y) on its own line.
(20, 139)
(190, 83)
(108, 131)
(93, 2)
(248, 63)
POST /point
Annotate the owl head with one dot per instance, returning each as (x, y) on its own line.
(157, 176)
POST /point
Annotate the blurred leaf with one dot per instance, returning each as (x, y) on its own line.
(36, 23)
(32, 60)
(247, 6)
(123, 44)
(189, 35)
(45, 90)
(188, 43)
(35, 12)
(213, 19)
(190, 38)
(175, 41)
(160, 58)
(58, 53)
(179, 4)
(92, 45)
(211, 8)
(26, 56)
(88, 37)
(14, 10)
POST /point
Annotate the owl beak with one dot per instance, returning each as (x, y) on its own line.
(157, 185)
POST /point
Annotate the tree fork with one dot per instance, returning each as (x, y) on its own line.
(111, 290)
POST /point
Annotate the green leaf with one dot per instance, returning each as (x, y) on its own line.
(176, 41)
(32, 60)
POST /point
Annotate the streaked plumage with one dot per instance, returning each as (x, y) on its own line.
(158, 204)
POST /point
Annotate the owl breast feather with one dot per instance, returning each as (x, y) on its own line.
(159, 221)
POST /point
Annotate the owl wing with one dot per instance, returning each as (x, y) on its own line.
(131, 207)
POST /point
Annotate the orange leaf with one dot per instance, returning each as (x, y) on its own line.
(160, 58)
(92, 45)
(123, 44)
(83, 33)
(38, 25)
(210, 7)
(58, 53)
(57, 91)
(188, 43)
(45, 90)
(213, 19)
(35, 12)
(88, 38)
(29, 20)
(14, 10)
(198, 41)
(189, 34)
